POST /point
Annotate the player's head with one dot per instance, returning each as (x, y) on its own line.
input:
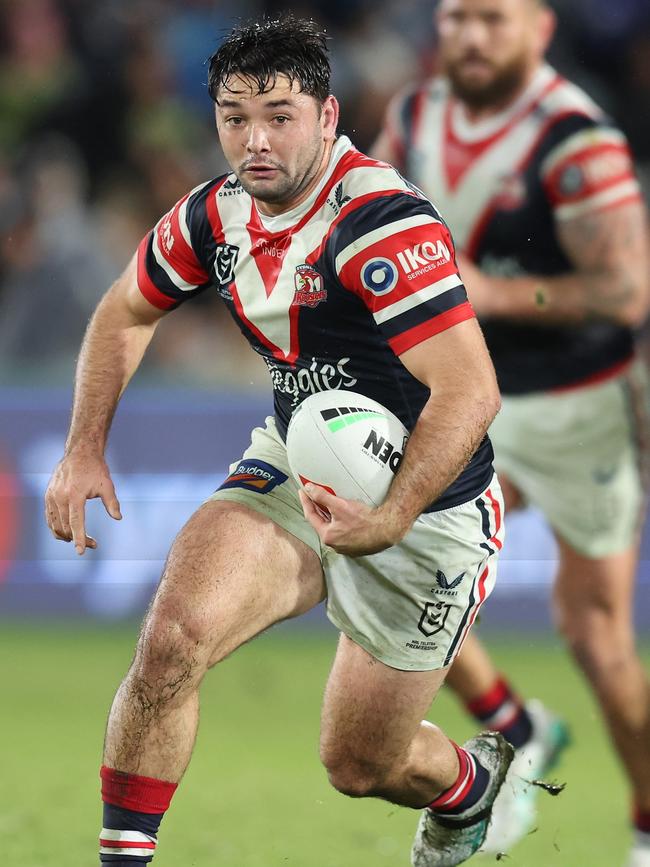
(276, 118)
(488, 48)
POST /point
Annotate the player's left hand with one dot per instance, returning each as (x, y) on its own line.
(480, 289)
(348, 526)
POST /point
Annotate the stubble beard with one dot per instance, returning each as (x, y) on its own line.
(286, 187)
(504, 86)
(278, 193)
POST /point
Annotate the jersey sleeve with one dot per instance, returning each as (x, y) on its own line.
(169, 269)
(589, 171)
(401, 118)
(399, 259)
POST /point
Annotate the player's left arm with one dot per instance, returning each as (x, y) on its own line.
(464, 399)
(604, 235)
(400, 262)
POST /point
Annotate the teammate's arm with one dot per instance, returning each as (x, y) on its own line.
(117, 336)
(608, 250)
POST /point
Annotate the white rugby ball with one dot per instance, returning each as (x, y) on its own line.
(346, 443)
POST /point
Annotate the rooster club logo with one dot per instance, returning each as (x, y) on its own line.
(512, 192)
(309, 287)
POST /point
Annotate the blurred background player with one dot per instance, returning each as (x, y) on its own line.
(539, 190)
(300, 198)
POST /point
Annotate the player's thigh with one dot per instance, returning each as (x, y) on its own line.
(577, 456)
(230, 574)
(412, 605)
(372, 711)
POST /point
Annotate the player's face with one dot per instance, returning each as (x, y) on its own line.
(489, 48)
(276, 142)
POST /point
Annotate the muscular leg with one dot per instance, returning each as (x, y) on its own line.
(230, 574)
(373, 739)
(593, 606)
(473, 673)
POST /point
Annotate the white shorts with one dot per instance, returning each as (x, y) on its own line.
(579, 455)
(410, 606)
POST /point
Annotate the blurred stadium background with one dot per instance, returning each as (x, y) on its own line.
(104, 123)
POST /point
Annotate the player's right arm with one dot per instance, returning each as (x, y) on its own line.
(165, 272)
(115, 341)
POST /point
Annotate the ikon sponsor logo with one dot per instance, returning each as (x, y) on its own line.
(423, 257)
(254, 475)
(379, 448)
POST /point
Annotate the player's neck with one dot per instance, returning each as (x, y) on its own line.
(274, 209)
(477, 114)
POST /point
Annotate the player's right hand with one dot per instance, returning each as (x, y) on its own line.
(78, 477)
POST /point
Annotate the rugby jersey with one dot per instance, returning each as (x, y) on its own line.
(503, 185)
(329, 293)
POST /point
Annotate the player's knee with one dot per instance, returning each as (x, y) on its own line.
(171, 656)
(601, 645)
(355, 777)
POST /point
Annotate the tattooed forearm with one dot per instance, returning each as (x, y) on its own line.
(609, 252)
(609, 278)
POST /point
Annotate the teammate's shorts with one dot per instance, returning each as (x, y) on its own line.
(579, 456)
(410, 606)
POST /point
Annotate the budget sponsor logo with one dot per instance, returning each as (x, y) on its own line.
(254, 475)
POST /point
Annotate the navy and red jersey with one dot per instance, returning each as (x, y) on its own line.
(329, 294)
(503, 186)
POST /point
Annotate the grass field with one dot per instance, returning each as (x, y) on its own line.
(255, 794)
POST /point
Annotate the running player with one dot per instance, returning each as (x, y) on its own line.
(301, 203)
(539, 190)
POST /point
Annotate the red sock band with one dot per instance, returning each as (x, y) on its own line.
(490, 702)
(641, 820)
(131, 792)
(452, 796)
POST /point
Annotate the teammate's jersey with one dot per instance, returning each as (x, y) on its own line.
(330, 293)
(503, 185)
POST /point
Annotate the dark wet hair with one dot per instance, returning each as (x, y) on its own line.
(262, 49)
